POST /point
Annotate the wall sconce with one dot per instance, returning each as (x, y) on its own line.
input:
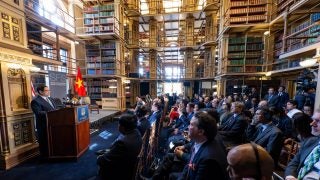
(308, 62)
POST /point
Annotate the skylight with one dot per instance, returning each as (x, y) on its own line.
(172, 5)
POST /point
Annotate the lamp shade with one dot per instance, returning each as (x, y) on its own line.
(308, 62)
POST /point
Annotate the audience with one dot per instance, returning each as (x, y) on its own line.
(120, 160)
(200, 153)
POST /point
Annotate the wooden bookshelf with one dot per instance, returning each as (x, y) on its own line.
(101, 58)
(247, 11)
(99, 19)
(244, 54)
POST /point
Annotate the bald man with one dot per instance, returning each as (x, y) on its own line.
(250, 161)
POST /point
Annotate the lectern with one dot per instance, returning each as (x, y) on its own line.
(68, 132)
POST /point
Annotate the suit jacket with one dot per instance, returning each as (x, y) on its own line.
(40, 107)
(247, 104)
(273, 102)
(297, 162)
(154, 117)
(232, 130)
(120, 161)
(283, 98)
(271, 139)
(210, 162)
(143, 125)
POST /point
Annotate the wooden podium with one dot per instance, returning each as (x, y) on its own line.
(68, 132)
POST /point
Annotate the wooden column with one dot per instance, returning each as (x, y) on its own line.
(189, 64)
(153, 63)
(190, 30)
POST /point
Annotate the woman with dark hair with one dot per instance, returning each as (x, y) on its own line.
(302, 123)
(282, 121)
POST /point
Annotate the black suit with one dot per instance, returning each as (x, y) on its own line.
(272, 101)
(143, 125)
(297, 162)
(40, 107)
(232, 130)
(283, 99)
(270, 139)
(209, 162)
(120, 161)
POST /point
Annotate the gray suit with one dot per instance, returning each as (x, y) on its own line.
(297, 162)
(271, 139)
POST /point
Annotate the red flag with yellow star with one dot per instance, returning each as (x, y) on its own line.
(79, 86)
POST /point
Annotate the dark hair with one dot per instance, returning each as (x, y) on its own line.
(141, 111)
(157, 104)
(201, 105)
(213, 113)
(283, 87)
(267, 114)
(128, 121)
(41, 88)
(302, 122)
(207, 123)
(191, 105)
(293, 102)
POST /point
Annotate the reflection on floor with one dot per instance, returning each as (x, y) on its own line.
(84, 168)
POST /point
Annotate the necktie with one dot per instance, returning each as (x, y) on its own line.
(50, 102)
(269, 98)
(191, 165)
(309, 162)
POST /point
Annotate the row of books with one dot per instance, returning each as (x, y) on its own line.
(99, 29)
(103, 71)
(248, 19)
(107, 7)
(100, 83)
(248, 10)
(247, 2)
(100, 65)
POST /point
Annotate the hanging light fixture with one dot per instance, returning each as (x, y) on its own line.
(308, 62)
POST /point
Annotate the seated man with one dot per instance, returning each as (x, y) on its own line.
(250, 161)
(119, 162)
(263, 132)
(208, 157)
(233, 129)
(306, 164)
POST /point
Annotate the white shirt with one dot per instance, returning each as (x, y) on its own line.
(293, 112)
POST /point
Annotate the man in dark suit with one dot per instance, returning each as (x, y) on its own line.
(208, 157)
(263, 132)
(272, 98)
(40, 106)
(246, 102)
(283, 97)
(156, 113)
(143, 123)
(232, 130)
(305, 163)
(119, 162)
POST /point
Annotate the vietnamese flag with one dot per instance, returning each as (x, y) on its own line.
(79, 86)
